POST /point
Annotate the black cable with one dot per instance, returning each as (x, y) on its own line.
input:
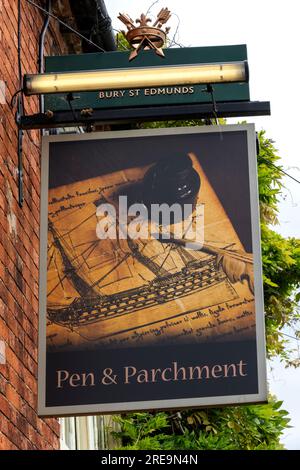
(151, 6)
(21, 97)
(173, 41)
(289, 336)
(19, 43)
(19, 48)
(65, 25)
(210, 90)
(69, 99)
(279, 169)
(41, 52)
(13, 98)
(20, 111)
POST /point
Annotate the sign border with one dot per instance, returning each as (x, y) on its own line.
(110, 408)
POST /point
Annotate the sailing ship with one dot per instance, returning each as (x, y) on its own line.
(192, 272)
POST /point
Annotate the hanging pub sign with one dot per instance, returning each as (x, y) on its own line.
(150, 276)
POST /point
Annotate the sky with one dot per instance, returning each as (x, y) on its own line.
(270, 28)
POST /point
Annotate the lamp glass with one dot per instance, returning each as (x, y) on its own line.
(135, 78)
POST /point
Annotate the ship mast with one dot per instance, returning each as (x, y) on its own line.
(70, 271)
(151, 265)
(135, 252)
(185, 255)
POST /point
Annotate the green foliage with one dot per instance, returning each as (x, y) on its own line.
(280, 256)
(269, 179)
(255, 427)
(122, 43)
(281, 267)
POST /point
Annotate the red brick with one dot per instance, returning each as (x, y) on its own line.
(20, 427)
(5, 443)
(5, 407)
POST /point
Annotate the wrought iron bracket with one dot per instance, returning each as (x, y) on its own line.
(139, 114)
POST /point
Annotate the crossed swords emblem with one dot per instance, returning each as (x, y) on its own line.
(146, 36)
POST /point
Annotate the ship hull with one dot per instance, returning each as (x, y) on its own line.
(199, 278)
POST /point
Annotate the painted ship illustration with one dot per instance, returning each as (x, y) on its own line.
(136, 281)
(193, 274)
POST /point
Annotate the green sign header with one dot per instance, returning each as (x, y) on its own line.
(147, 96)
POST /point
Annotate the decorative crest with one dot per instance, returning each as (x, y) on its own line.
(146, 36)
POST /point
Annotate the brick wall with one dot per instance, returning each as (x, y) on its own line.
(20, 427)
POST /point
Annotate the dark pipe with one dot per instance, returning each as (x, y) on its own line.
(20, 110)
(41, 50)
(105, 27)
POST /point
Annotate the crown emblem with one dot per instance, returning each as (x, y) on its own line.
(142, 36)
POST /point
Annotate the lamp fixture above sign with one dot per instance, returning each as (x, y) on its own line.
(136, 78)
(107, 89)
(145, 36)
